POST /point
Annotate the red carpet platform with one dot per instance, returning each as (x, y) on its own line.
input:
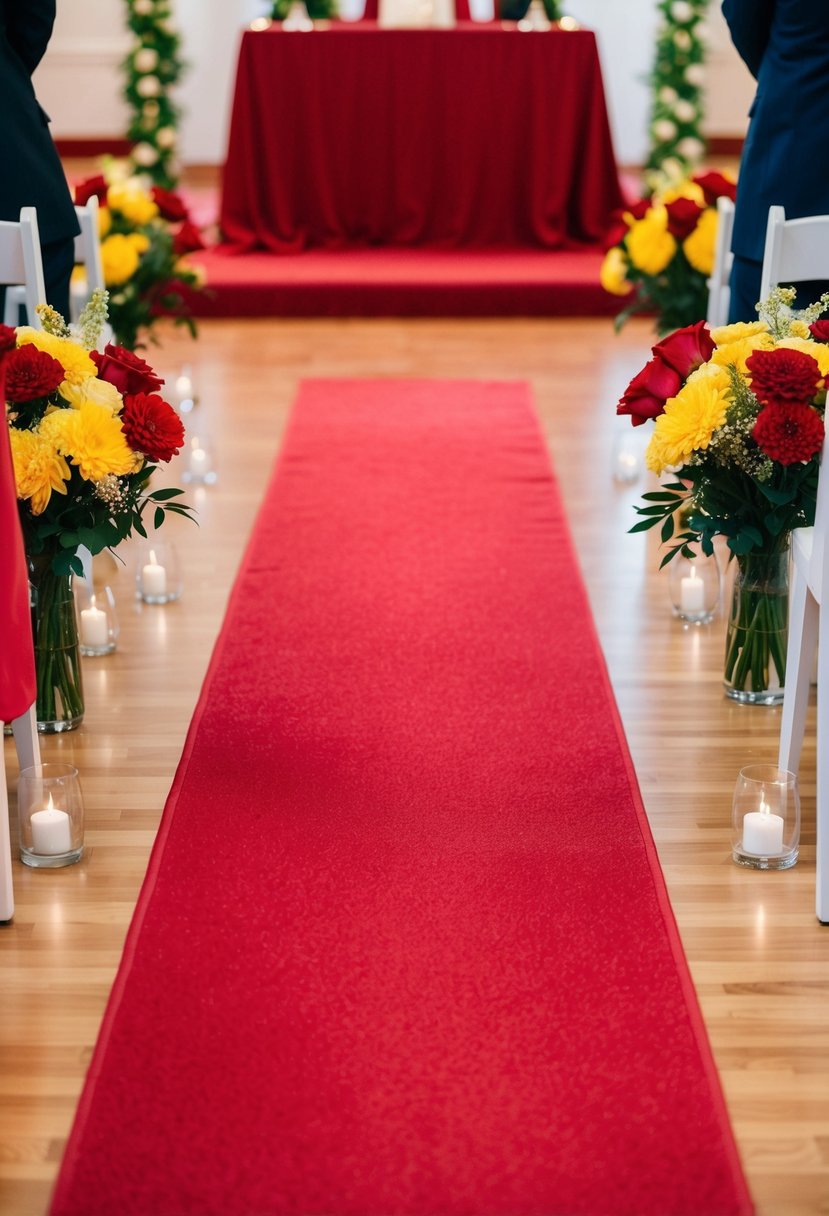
(384, 281)
(404, 947)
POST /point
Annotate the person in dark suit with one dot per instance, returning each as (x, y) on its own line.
(785, 45)
(32, 175)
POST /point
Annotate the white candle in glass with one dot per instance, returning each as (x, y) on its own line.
(692, 593)
(763, 832)
(94, 626)
(199, 462)
(153, 577)
(184, 389)
(51, 831)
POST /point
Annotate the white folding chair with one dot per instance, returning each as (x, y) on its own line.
(20, 264)
(87, 256)
(808, 619)
(719, 284)
(796, 250)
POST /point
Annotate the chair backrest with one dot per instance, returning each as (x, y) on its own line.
(88, 246)
(719, 289)
(796, 250)
(20, 261)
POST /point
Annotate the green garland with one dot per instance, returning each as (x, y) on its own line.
(151, 69)
(318, 10)
(676, 144)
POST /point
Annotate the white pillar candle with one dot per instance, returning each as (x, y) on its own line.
(199, 463)
(692, 593)
(763, 833)
(94, 626)
(153, 577)
(51, 832)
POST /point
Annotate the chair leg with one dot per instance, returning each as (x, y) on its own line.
(26, 740)
(6, 890)
(803, 630)
(822, 782)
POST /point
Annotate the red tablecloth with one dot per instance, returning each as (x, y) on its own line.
(480, 135)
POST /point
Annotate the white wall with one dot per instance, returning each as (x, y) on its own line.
(79, 80)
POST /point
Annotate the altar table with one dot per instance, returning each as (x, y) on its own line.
(482, 135)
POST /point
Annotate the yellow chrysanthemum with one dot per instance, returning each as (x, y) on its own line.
(98, 392)
(72, 357)
(38, 469)
(140, 241)
(684, 189)
(714, 373)
(613, 274)
(649, 244)
(737, 352)
(119, 258)
(104, 221)
(689, 421)
(92, 439)
(698, 246)
(134, 204)
(724, 334)
(799, 329)
(818, 350)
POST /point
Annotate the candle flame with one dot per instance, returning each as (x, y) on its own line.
(92, 601)
(153, 561)
(50, 806)
(765, 809)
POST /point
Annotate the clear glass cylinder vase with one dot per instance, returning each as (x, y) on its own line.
(757, 633)
(60, 703)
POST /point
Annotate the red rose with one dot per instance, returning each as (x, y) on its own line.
(686, 349)
(639, 209)
(171, 206)
(187, 239)
(783, 375)
(152, 426)
(683, 214)
(31, 374)
(91, 187)
(820, 331)
(8, 337)
(789, 433)
(648, 391)
(714, 185)
(126, 370)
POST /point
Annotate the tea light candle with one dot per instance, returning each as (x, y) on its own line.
(763, 833)
(94, 626)
(692, 593)
(184, 389)
(51, 831)
(153, 577)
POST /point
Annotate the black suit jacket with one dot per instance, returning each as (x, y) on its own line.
(31, 174)
(785, 45)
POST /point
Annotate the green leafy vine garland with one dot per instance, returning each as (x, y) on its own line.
(677, 78)
(151, 68)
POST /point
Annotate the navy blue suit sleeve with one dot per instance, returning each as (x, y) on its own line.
(750, 23)
(29, 28)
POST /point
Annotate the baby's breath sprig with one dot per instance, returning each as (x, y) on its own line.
(786, 321)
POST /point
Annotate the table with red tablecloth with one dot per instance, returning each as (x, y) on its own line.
(481, 135)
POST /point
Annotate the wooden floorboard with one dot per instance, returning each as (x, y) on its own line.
(758, 956)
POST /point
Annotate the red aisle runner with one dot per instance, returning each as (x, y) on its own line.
(404, 946)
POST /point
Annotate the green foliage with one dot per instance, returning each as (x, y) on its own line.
(318, 10)
(516, 10)
(151, 69)
(676, 143)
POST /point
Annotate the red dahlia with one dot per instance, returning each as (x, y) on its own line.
(789, 433)
(152, 426)
(783, 375)
(31, 374)
(126, 370)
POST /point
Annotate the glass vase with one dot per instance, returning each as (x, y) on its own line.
(757, 634)
(60, 704)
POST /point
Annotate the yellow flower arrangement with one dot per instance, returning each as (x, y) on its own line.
(661, 251)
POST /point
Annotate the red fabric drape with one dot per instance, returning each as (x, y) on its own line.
(17, 669)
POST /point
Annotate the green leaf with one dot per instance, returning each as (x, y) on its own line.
(667, 529)
(163, 495)
(643, 525)
(158, 519)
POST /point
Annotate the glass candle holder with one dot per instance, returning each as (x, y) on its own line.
(626, 460)
(50, 810)
(157, 577)
(765, 818)
(199, 468)
(97, 619)
(184, 394)
(695, 587)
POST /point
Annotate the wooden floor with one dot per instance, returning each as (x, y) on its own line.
(759, 958)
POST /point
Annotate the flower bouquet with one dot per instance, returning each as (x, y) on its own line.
(738, 426)
(661, 251)
(87, 431)
(146, 234)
